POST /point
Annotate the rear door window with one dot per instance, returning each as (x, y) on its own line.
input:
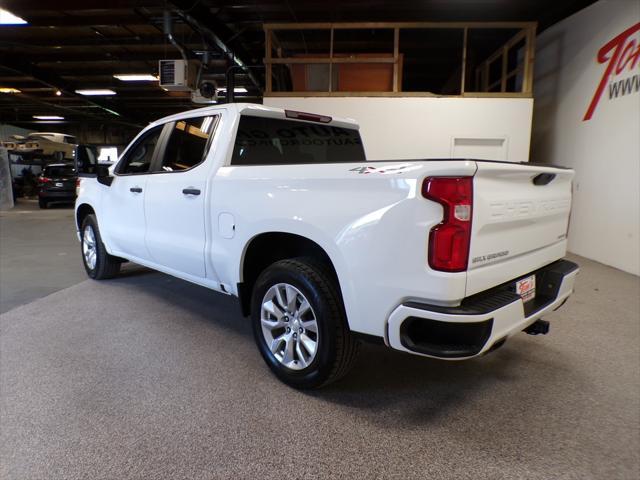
(272, 141)
(188, 143)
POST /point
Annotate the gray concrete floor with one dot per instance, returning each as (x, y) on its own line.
(38, 252)
(146, 376)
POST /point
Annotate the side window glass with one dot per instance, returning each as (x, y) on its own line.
(138, 159)
(187, 145)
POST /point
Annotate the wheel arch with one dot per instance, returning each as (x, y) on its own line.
(82, 211)
(267, 248)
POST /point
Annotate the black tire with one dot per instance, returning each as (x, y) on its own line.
(43, 203)
(106, 266)
(336, 346)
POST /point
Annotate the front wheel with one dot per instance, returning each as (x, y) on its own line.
(97, 262)
(299, 324)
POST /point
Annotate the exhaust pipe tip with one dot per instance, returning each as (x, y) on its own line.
(539, 327)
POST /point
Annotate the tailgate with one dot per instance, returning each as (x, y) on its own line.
(520, 221)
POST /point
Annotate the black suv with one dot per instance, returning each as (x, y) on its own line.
(57, 183)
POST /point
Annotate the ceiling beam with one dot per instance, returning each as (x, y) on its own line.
(18, 99)
(94, 40)
(96, 55)
(109, 20)
(53, 81)
(95, 71)
(24, 6)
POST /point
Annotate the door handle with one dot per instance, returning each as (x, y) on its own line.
(135, 190)
(191, 191)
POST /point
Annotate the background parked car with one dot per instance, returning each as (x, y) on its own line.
(57, 183)
(44, 144)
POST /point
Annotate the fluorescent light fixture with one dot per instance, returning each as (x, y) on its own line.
(96, 91)
(8, 18)
(9, 90)
(136, 77)
(48, 117)
(235, 90)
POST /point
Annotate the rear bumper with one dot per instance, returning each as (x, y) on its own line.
(482, 321)
(60, 195)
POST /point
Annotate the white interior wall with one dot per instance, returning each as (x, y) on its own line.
(430, 127)
(604, 150)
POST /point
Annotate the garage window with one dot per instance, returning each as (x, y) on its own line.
(188, 143)
(271, 141)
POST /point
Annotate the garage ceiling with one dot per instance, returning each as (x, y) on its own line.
(72, 44)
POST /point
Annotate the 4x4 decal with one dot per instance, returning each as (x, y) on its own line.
(387, 169)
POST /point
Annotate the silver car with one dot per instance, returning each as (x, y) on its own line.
(43, 144)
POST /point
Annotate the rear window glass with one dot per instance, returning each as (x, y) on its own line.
(269, 141)
(59, 171)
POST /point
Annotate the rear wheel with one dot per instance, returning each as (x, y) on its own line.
(43, 203)
(299, 324)
(97, 262)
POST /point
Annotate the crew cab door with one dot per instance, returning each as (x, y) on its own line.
(122, 221)
(175, 197)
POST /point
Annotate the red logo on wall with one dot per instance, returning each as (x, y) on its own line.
(619, 54)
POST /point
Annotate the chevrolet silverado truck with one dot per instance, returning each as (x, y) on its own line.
(324, 249)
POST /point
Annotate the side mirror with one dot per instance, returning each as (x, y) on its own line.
(102, 175)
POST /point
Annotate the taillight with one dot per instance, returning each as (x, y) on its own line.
(449, 241)
(44, 180)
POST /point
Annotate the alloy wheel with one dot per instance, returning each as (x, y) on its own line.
(289, 326)
(89, 247)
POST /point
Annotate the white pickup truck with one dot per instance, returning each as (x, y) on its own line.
(441, 258)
